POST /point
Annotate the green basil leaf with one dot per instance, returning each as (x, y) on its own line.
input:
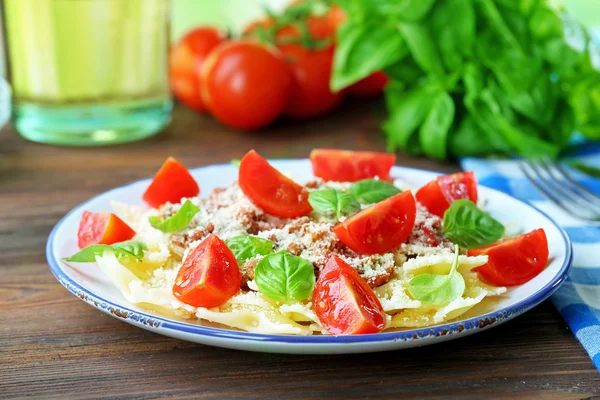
(455, 41)
(438, 289)
(245, 247)
(129, 248)
(336, 201)
(409, 10)
(408, 110)
(585, 168)
(284, 277)
(363, 48)
(469, 227)
(236, 162)
(371, 191)
(422, 47)
(470, 141)
(179, 221)
(434, 131)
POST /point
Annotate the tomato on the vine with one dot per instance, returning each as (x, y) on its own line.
(185, 61)
(245, 84)
(372, 85)
(311, 95)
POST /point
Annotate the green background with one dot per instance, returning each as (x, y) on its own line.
(234, 14)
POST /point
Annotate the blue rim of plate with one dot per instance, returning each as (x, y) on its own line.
(455, 327)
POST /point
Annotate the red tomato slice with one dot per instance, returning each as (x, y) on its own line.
(171, 183)
(350, 166)
(344, 303)
(372, 85)
(438, 194)
(381, 227)
(514, 261)
(270, 190)
(102, 228)
(209, 275)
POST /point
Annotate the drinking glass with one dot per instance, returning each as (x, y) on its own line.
(87, 72)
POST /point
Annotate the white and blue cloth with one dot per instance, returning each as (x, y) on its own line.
(578, 299)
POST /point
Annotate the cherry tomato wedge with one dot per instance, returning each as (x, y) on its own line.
(344, 303)
(245, 84)
(186, 59)
(438, 194)
(270, 190)
(102, 228)
(372, 85)
(381, 227)
(351, 166)
(514, 261)
(171, 183)
(209, 275)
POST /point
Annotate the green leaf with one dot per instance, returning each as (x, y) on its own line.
(363, 48)
(371, 191)
(246, 246)
(585, 168)
(455, 40)
(179, 221)
(129, 248)
(422, 47)
(284, 277)
(336, 201)
(408, 110)
(469, 140)
(433, 133)
(236, 162)
(409, 10)
(469, 227)
(438, 289)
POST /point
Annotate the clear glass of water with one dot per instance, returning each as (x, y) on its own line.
(88, 72)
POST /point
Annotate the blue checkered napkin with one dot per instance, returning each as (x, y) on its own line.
(578, 299)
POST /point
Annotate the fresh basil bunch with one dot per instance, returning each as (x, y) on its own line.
(474, 77)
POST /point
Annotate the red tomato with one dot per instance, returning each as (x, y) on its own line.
(171, 183)
(514, 261)
(245, 84)
(438, 194)
(372, 85)
(344, 303)
(185, 61)
(209, 275)
(381, 227)
(102, 228)
(321, 27)
(311, 95)
(351, 166)
(270, 190)
(261, 23)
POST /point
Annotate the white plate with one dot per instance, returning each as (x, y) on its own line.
(91, 285)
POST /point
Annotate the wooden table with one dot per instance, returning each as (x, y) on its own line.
(53, 345)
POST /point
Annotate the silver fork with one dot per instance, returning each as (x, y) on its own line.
(558, 186)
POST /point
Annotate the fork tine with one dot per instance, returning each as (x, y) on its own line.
(575, 192)
(554, 186)
(555, 197)
(584, 191)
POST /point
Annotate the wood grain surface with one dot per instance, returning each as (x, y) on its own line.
(53, 345)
